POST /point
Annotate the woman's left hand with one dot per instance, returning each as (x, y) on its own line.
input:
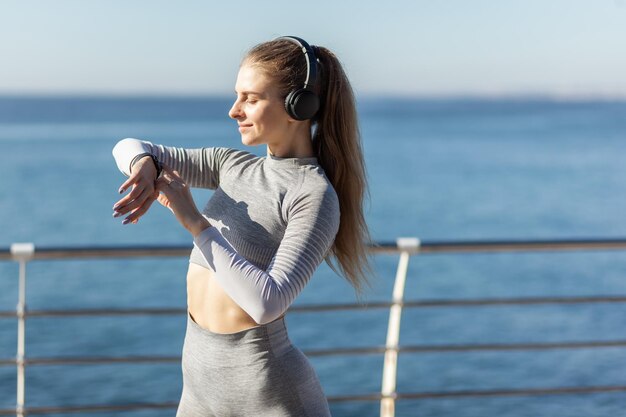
(174, 194)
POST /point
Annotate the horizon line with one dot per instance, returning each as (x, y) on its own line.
(511, 95)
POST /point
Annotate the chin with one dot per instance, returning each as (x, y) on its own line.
(250, 141)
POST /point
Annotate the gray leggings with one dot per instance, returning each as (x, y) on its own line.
(254, 372)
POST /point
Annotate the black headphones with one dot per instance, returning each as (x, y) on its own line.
(303, 103)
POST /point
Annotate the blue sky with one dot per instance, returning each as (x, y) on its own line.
(432, 48)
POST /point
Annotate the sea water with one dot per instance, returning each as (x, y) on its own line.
(438, 169)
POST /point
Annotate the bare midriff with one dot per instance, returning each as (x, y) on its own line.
(210, 306)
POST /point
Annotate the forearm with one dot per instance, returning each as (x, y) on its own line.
(251, 288)
(198, 226)
(198, 167)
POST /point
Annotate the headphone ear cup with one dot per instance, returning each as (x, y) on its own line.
(289, 104)
(302, 104)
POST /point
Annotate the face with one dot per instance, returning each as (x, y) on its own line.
(259, 110)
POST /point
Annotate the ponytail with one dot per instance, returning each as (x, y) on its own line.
(336, 142)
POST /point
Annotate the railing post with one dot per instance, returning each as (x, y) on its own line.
(390, 366)
(21, 252)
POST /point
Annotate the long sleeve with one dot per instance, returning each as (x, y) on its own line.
(198, 167)
(311, 229)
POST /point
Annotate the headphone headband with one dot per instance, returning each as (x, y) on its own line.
(303, 103)
(311, 60)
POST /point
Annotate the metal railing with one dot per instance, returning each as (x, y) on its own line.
(406, 247)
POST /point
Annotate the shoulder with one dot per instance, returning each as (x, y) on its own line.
(231, 153)
(231, 157)
(317, 194)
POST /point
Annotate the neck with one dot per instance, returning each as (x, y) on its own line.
(295, 145)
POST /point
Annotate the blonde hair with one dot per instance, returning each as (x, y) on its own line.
(337, 145)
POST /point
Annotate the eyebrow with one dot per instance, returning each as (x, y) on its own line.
(250, 92)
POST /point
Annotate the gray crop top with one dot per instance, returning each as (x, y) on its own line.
(273, 220)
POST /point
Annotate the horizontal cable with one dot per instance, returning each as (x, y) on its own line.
(480, 393)
(469, 348)
(514, 346)
(335, 351)
(519, 245)
(511, 392)
(76, 360)
(331, 307)
(376, 247)
(463, 302)
(97, 312)
(83, 408)
(346, 398)
(52, 253)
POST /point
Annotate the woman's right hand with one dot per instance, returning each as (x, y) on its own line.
(143, 194)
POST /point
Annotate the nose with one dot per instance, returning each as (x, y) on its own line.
(235, 111)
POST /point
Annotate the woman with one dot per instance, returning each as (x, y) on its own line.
(267, 227)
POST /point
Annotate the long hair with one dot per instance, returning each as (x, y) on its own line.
(337, 145)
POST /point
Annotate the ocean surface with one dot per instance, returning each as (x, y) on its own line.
(438, 169)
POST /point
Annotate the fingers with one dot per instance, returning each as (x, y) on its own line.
(167, 188)
(140, 186)
(121, 206)
(162, 183)
(166, 168)
(164, 201)
(131, 180)
(138, 205)
(135, 215)
(174, 194)
(137, 195)
(174, 175)
(170, 180)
